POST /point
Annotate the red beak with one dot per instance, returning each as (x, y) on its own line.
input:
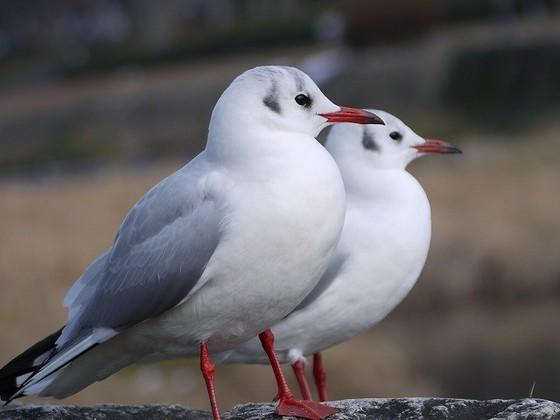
(352, 115)
(437, 147)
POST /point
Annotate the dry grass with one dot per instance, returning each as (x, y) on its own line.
(483, 313)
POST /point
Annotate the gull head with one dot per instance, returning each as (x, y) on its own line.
(393, 145)
(283, 99)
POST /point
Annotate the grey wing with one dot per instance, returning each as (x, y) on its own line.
(158, 256)
(81, 290)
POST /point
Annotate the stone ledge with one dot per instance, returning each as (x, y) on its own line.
(371, 408)
(101, 412)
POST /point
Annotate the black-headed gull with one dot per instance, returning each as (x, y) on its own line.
(381, 252)
(212, 255)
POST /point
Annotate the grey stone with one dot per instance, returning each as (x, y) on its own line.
(371, 408)
(419, 408)
(101, 412)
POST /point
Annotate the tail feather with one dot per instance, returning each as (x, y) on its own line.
(22, 367)
(31, 372)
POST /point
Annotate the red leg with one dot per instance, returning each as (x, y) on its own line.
(320, 377)
(207, 368)
(299, 371)
(287, 404)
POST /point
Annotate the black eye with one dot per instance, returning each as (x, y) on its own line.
(303, 100)
(395, 135)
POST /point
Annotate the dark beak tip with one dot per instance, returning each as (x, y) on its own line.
(455, 150)
(372, 118)
(377, 120)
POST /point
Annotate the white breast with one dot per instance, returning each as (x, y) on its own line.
(386, 241)
(384, 245)
(281, 229)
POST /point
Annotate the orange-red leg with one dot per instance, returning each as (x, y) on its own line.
(288, 405)
(320, 377)
(208, 370)
(299, 371)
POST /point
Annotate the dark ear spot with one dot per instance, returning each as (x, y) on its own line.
(271, 99)
(368, 141)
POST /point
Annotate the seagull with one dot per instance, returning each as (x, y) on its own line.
(382, 250)
(212, 255)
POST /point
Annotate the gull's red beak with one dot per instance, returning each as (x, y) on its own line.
(437, 147)
(352, 115)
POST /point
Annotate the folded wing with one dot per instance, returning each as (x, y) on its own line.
(158, 256)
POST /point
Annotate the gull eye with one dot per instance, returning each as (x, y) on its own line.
(303, 100)
(395, 135)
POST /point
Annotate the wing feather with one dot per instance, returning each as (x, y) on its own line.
(158, 256)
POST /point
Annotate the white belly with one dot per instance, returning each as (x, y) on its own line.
(272, 253)
(385, 260)
(385, 244)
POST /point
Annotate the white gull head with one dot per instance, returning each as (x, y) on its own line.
(390, 146)
(276, 99)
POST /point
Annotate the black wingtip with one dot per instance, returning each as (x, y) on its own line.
(24, 364)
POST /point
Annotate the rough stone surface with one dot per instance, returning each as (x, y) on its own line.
(373, 408)
(420, 408)
(101, 412)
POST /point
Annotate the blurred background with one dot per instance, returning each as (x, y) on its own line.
(101, 99)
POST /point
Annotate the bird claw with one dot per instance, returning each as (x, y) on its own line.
(302, 408)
